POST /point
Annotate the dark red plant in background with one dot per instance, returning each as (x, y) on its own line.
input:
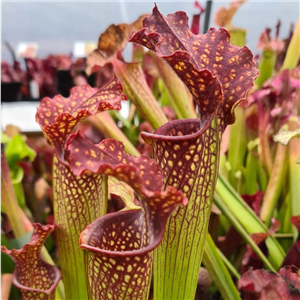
(12, 73)
(251, 260)
(228, 243)
(195, 27)
(262, 284)
(273, 105)
(293, 255)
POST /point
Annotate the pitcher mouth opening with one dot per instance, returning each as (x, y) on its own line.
(85, 244)
(178, 130)
(29, 289)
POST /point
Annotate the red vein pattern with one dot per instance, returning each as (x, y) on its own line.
(59, 116)
(218, 75)
(119, 247)
(188, 158)
(80, 197)
(77, 201)
(120, 244)
(35, 278)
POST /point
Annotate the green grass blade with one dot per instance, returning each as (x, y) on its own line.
(228, 265)
(236, 224)
(248, 219)
(218, 271)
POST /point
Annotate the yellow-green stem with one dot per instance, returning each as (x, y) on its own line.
(137, 90)
(294, 170)
(266, 66)
(104, 123)
(275, 183)
(262, 177)
(250, 186)
(293, 52)
(264, 149)
(17, 219)
(177, 91)
(237, 146)
(238, 36)
(9, 200)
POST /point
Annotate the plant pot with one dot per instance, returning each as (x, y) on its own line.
(10, 91)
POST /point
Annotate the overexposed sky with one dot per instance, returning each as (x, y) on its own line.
(57, 25)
